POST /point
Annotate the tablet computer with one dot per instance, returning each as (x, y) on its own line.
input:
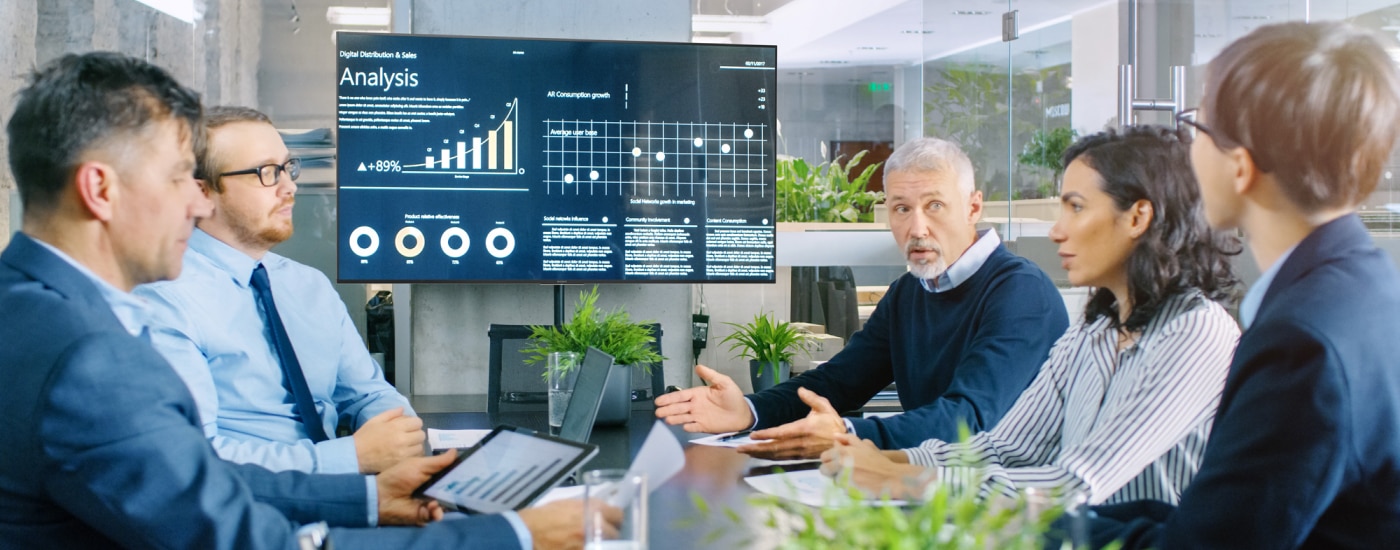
(507, 470)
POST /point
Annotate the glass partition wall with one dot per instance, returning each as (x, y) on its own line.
(941, 68)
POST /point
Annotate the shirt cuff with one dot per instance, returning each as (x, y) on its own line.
(850, 426)
(521, 531)
(753, 412)
(337, 456)
(372, 502)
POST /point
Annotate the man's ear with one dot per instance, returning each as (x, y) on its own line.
(974, 207)
(204, 188)
(96, 185)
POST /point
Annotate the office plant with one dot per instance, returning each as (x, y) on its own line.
(827, 192)
(631, 344)
(769, 345)
(612, 332)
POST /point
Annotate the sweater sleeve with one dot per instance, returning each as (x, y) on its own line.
(855, 374)
(1021, 317)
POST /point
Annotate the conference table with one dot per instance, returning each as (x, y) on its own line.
(689, 510)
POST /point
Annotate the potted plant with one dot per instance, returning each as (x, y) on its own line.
(828, 192)
(631, 344)
(769, 345)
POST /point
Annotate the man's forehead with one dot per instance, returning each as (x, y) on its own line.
(919, 183)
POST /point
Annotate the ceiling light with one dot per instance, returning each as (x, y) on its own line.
(358, 17)
(971, 12)
(833, 62)
(179, 9)
(1252, 17)
(914, 31)
(728, 23)
(871, 48)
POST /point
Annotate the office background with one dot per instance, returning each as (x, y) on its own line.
(852, 76)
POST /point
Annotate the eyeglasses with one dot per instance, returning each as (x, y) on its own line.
(1187, 126)
(269, 174)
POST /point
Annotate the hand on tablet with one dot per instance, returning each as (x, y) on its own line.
(559, 524)
(396, 503)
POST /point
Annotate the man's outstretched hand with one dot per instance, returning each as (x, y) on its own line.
(719, 407)
(806, 438)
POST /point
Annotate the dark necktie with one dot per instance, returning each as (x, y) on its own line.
(305, 407)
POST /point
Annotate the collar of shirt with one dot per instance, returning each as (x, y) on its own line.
(1249, 306)
(133, 313)
(967, 264)
(229, 259)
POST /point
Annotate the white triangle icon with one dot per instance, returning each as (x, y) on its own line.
(362, 167)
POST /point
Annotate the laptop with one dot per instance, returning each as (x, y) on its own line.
(588, 395)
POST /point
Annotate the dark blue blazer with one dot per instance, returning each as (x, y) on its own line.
(101, 443)
(1305, 450)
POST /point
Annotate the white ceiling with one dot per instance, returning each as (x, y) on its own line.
(835, 33)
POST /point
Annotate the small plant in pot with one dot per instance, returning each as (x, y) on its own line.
(769, 345)
(613, 332)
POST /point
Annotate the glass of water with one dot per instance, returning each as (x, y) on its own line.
(609, 495)
(563, 369)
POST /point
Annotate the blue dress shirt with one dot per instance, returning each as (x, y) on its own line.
(1249, 305)
(209, 326)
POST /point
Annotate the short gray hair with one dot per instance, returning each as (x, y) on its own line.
(933, 155)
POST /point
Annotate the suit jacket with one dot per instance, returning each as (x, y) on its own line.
(1305, 451)
(102, 444)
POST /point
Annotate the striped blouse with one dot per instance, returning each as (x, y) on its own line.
(1114, 425)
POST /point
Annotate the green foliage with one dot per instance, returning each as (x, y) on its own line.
(767, 341)
(827, 192)
(945, 518)
(613, 332)
(1044, 151)
(1045, 148)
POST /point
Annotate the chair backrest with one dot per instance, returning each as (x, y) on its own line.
(510, 382)
(646, 387)
(588, 395)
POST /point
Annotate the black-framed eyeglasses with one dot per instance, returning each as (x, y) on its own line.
(269, 174)
(1187, 125)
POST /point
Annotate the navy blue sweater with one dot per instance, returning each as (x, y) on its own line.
(963, 355)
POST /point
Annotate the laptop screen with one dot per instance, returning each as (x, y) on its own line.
(588, 395)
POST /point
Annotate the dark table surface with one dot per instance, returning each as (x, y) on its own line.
(689, 510)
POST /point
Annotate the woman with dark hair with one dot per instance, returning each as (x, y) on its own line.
(1122, 408)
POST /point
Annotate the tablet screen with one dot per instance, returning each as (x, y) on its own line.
(506, 471)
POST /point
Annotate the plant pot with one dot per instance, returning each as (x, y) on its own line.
(616, 407)
(761, 374)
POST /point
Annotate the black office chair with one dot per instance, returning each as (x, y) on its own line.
(511, 385)
(510, 382)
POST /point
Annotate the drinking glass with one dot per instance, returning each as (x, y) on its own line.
(563, 369)
(614, 489)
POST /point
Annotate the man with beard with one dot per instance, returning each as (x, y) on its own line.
(272, 375)
(962, 334)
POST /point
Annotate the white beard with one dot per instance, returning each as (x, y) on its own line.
(925, 269)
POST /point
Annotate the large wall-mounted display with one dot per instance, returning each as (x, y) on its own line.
(490, 160)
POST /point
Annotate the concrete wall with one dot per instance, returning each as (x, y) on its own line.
(449, 322)
(217, 55)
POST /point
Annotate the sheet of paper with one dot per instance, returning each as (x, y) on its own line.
(809, 487)
(559, 493)
(719, 440)
(660, 457)
(454, 439)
